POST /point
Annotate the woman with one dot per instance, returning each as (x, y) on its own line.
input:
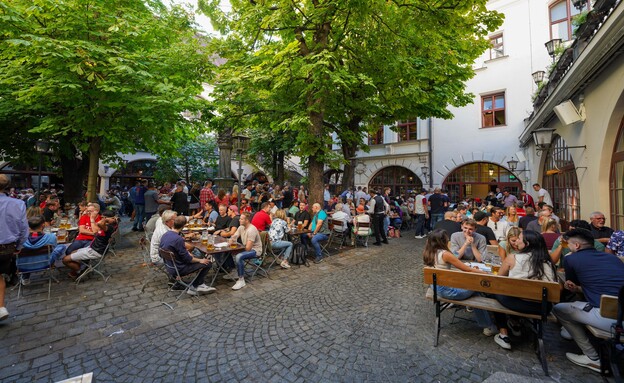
(438, 255)
(510, 244)
(550, 232)
(294, 208)
(222, 198)
(349, 205)
(194, 192)
(277, 234)
(511, 216)
(234, 195)
(531, 262)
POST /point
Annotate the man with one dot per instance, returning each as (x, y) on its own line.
(245, 207)
(616, 244)
(496, 223)
(528, 218)
(247, 192)
(600, 232)
(542, 194)
(150, 226)
(87, 228)
(326, 197)
(13, 234)
(163, 225)
(287, 197)
(233, 224)
(340, 215)
(359, 194)
(166, 189)
(449, 223)
(250, 238)
(208, 215)
(151, 200)
(139, 208)
(438, 203)
(272, 207)
(49, 210)
(509, 199)
(527, 200)
(421, 214)
(106, 228)
(206, 195)
(320, 231)
(481, 219)
(262, 220)
(596, 273)
(468, 244)
(185, 262)
(536, 225)
(367, 195)
(36, 240)
(378, 207)
(549, 212)
(223, 220)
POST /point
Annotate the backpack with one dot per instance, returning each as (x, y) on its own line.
(298, 256)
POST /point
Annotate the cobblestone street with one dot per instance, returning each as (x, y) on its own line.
(360, 316)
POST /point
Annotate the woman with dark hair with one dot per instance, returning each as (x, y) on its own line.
(531, 262)
(194, 193)
(438, 255)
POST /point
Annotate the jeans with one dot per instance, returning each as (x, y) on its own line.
(189, 268)
(378, 223)
(283, 245)
(574, 318)
(435, 218)
(240, 261)
(482, 316)
(386, 224)
(420, 224)
(315, 243)
(139, 216)
(516, 304)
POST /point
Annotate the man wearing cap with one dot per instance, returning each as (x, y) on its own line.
(421, 213)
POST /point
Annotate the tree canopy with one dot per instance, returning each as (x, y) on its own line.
(344, 67)
(100, 77)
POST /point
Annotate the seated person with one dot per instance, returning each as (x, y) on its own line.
(303, 216)
(36, 240)
(250, 238)
(232, 225)
(185, 262)
(596, 273)
(396, 217)
(558, 252)
(449, 223)
(468, 244)
(510, 244)
(223, 220)
(208, 214)
(106, 226)
(49, 210)
(481, 218)
(615, 244)
(277, 234)
(87, 228)
(262, 219)
(320, 231)
(550, 232)
(361, 217)
(150, 226)
(340, 215)
(245, 206)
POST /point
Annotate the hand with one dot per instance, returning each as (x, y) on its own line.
(93, 215)
(570, 285)
(205, 261)
(469, 240)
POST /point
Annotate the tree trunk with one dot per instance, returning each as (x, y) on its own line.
(315, 163)
(94, 165)
(74, 171)
(280, 167)
(348, 175)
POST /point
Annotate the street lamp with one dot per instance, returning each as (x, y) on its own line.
(240, 144)
(42, 147)
(551, 47)
(425, 172)
(538, 76)
(579, 4)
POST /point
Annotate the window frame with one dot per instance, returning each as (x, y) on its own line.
(404, 127)
(376, 138)
(615, 189)
(567, 19)
(493, 46)
(493, 110)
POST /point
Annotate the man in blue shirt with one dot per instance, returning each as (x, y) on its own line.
(597, 273)
(320, 231)
(13, 233)
(139, 207)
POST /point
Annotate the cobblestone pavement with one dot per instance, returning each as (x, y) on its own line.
(360, 316)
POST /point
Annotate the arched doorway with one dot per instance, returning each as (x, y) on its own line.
(477, 179)
(616, 184)
(561, 182)
(400, 180)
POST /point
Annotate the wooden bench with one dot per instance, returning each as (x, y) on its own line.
(609, 353)
(546, 292)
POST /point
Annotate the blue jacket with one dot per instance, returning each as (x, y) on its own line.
(36, 242)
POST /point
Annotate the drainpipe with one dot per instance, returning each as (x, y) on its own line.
(430, 140)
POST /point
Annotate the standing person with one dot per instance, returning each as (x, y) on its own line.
(132, 197)
(151, 200)
(326, 197)
(596, 273)
(13, 234)
(194, 194)
(509, 199)
(287, 197)
(378, 207)
(139, 206)
(206, 194)
(278, 197)
(439, 203)
(222, 198)
(542, 195)
(250, 237)
(527, 200)
(179, 200)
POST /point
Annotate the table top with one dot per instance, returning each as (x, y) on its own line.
(219, 247)
(55, 229)
(299, 232)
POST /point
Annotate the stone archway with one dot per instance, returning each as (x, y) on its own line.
(477, 179)
(399, 179)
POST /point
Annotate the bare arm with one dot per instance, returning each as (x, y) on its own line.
(450, 258)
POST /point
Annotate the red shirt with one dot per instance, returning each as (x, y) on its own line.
(85, 220)
(205, 195)
(261, 220)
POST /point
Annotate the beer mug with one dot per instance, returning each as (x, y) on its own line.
(61, 235)
(210, 245)
(204, 238)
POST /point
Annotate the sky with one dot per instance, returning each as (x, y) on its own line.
(202, 20)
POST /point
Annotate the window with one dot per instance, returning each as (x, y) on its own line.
(561, 15)
(478, 179)
(408, 130)
(376, 138)
(562, 183)
(493, 110)
(399, 179)
(497, 48)
(617, 182)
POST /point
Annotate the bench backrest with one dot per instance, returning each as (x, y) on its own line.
(493, 284)
(609, 306)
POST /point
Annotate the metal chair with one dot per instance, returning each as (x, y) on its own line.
(154, 269)
(30, 261)
(95, 265)
(256, 263)
(272, 254)
(113, 242)
(170, 265)
(361, 227)
(340, 231)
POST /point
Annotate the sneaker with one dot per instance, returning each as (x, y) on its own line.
(318, 259)
(4, 314)
(192, 291)
(239, 284)
(203, 288)
(285, 265)
(565, 334)
(231, 276)
(135, 229)
(502, 341)
(516, 328)
(487, 331)
(584, 361)
(257, 262)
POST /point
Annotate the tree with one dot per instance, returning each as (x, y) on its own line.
(194, 161)
(344, 66)
(101, 77)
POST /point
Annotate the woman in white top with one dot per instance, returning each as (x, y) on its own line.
(532, 261)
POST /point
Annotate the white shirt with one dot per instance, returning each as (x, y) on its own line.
(499, 228)
(420, 204)
(160, 230)
(544, 193)
(343, 217)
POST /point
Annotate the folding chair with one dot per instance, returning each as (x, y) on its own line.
(362, 227)
(31, 261)
(169, 261)
(95, 265)
(340, 231)
(113, 242)
(153, 269)
(325, 245)
(256, 263)
(271, 253)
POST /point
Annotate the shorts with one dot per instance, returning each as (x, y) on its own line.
(7, 256)
(85, 254)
